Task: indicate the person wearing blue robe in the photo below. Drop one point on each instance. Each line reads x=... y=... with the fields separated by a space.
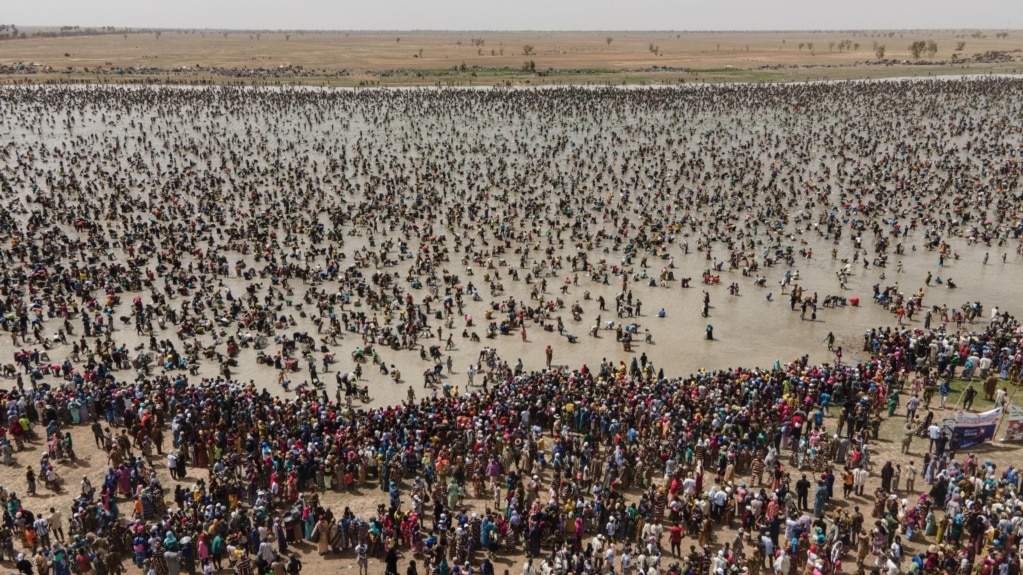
x=170 y=542
x=281 y=537
x=395 y=496
x=820 y=498
x=535 y=538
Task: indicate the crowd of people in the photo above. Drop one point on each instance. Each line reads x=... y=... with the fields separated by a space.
x=568 y=465
x=184 y=265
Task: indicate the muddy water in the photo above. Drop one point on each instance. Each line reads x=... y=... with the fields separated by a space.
x=458 y=162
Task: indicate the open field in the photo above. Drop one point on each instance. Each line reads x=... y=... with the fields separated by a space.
x=489 y=58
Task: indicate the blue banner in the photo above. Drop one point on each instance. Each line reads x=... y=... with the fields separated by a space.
x=973 y=429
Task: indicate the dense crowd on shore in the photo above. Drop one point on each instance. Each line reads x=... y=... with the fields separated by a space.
x=552 y=463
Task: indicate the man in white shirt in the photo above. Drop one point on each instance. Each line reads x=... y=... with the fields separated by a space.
x=689 y=485
x=653 y=531
x=598 y=549
x=720 y=499
x=768 y=545
x=362 y=558
x=985 y=365
x=528 y=568
x=934 y=432
x=56 y=524
x=719 y=562
x=669 y=469
x=860 y=479
x=611 y=528
x=266 y=552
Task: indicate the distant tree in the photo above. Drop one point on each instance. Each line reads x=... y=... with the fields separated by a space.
x=420 y=52
x=932 y=48
x=960 y=45
x=397 y=40
x=917 y=48
x=158 y=35
x=608 y=40
x=879 y=51
x=856 y=46
x=809 y=46
x=287 y=37
x=529 y=66
x=831 y=47
x=527 y=50
x=801 y=45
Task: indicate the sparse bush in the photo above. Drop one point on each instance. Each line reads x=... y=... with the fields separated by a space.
x=917 y=48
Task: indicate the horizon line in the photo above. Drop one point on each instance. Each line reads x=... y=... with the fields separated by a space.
x=138 y=29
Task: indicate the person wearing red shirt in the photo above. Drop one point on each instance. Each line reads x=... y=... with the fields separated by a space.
x=83 y=562
x=675 y=536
